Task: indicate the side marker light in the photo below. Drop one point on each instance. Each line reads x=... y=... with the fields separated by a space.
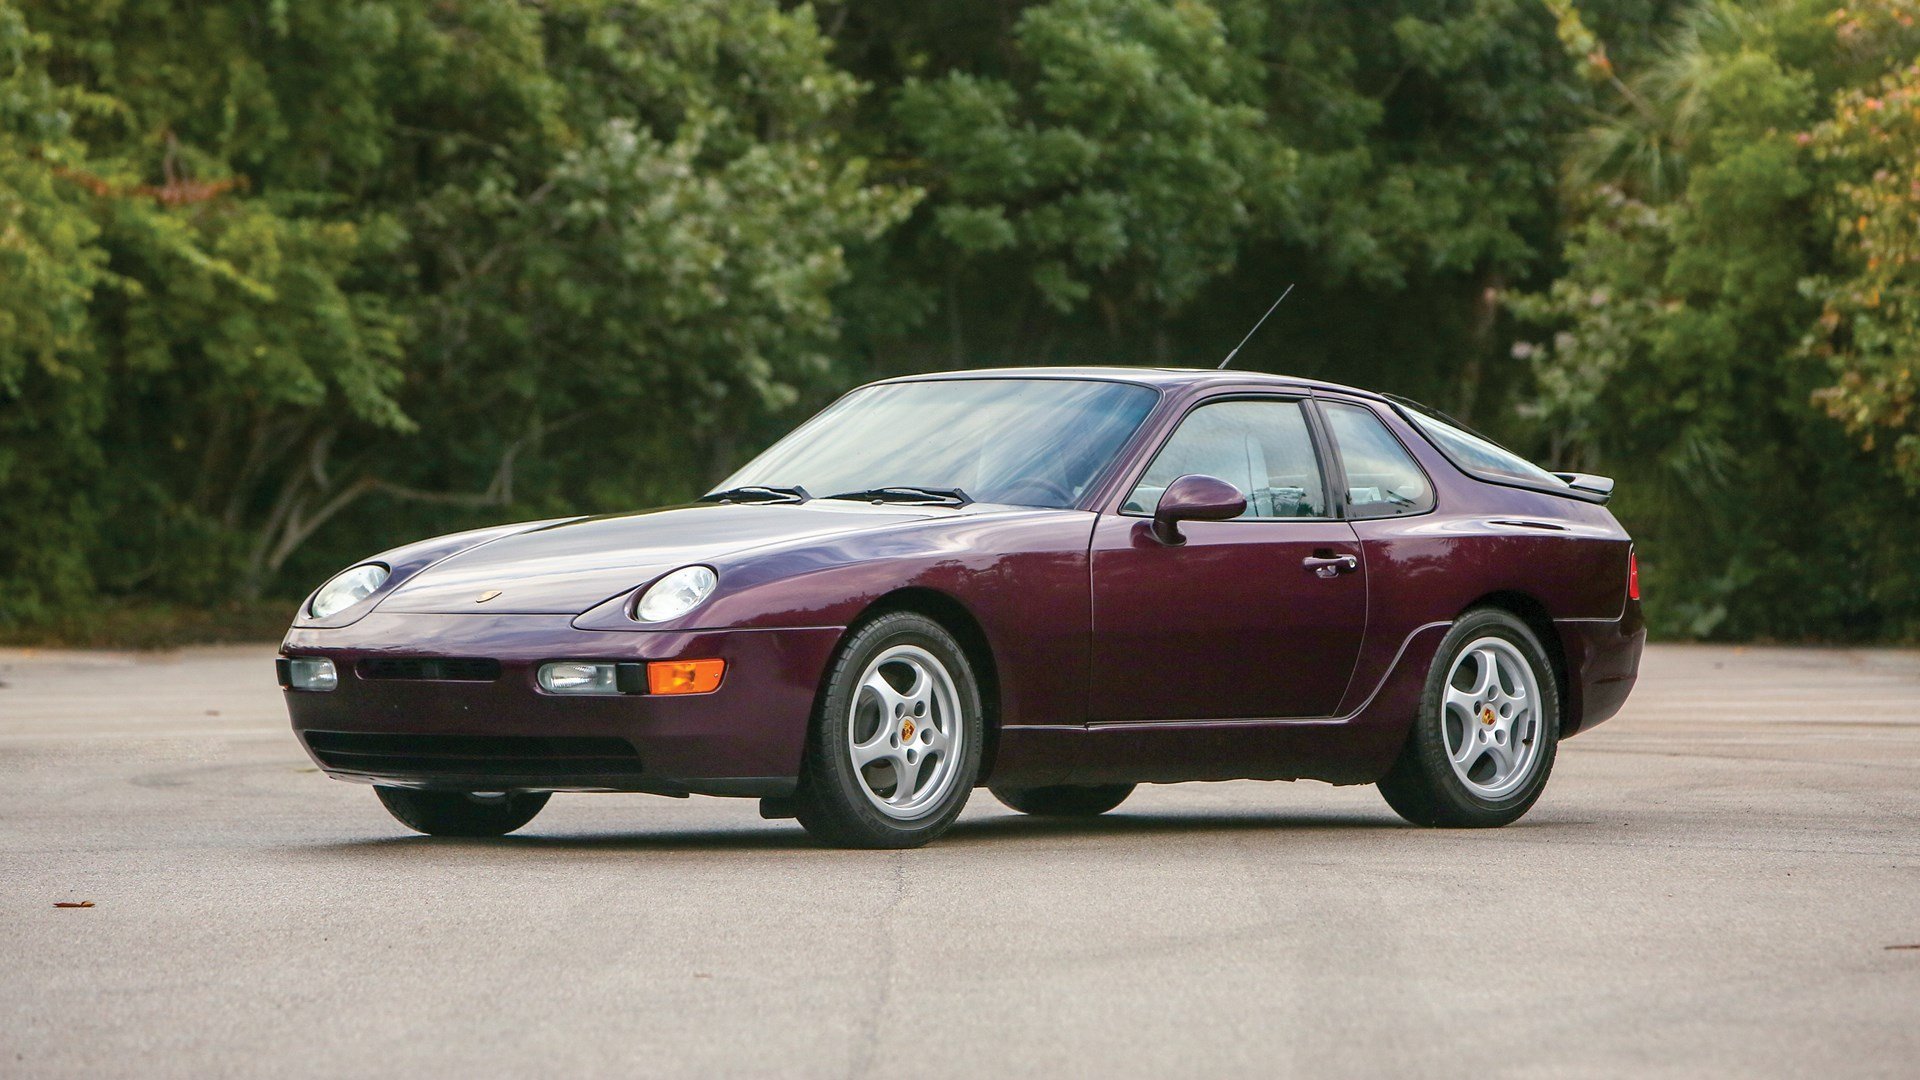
x=685 y=676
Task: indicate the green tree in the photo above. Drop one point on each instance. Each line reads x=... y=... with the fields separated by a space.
x=1130 y=151
x=52 y=395
x=284 y=283
x=1128 y=181
x=1677 y=359
x=348 y=266
x=1868 y=151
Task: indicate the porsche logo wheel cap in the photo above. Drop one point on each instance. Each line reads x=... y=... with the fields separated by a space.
x=1487 y=716
x=906 y=731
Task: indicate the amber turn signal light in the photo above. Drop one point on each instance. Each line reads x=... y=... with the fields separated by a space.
x=685 y=676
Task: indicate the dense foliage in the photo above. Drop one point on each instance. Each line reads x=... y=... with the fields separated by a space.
x=281 y=284
x=1740 y=274
x=293 y=268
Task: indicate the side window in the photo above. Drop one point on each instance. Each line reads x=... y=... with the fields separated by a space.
x=1382 y=479
x=1261 y=447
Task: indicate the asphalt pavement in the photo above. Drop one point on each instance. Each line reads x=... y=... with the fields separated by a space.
x=1725 y=880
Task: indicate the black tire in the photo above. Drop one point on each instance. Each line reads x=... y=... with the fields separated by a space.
x=832 y=800
x=461 y=813
x=1063 y=800
x=1422 y=786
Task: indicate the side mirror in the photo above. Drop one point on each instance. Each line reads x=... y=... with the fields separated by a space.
x=1195 y=497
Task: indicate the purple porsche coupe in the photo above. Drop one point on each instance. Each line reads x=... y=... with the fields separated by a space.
x=1057 y=583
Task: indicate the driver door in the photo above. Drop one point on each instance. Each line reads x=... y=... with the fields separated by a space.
x=1246 y=618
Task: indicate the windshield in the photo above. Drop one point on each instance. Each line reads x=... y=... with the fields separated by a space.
x=1027 y=442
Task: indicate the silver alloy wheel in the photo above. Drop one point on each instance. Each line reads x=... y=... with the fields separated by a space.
x=1491 y=718
x=905 y=732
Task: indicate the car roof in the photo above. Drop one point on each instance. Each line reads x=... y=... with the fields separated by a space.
x=1158 y=377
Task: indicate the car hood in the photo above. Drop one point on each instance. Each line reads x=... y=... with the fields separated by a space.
x=568 y=568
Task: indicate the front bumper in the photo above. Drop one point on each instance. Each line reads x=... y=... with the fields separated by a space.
x=426 y=730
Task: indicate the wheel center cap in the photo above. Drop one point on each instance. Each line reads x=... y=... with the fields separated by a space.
x=1487 y=716
x=906 y=731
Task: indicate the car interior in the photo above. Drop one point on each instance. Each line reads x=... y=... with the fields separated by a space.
x=1261 y=447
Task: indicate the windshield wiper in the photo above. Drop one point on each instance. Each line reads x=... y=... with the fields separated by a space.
x=759 y=493
x=907 y=493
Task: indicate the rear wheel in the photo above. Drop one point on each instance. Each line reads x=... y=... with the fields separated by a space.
x=895 y=746
x=1483 y=745
x=461 y=813
x=1063 y=800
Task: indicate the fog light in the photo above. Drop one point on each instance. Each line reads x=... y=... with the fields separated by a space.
x=307 y=673
x=578 y=677
x=685 y=676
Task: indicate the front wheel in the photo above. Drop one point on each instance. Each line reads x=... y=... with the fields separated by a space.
x=1483 y=744
x=895 y=746
x=461 y=813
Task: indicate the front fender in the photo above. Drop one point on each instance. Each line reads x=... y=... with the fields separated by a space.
x=1022 y=574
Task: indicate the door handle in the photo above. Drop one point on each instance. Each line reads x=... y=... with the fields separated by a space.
x=1330 y=566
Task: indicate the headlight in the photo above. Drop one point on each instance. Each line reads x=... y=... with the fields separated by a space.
x=676 y=594
x=347 y=589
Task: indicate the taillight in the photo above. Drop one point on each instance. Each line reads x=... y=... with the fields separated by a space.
x=1633 y=575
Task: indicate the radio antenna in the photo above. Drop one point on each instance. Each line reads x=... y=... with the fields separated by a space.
x=1250 y=333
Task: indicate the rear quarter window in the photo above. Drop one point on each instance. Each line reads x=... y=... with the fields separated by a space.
x=1482 y=457
x=1382 y=478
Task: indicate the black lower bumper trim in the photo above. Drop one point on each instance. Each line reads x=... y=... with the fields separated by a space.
x=504 y=757
x=513 y=763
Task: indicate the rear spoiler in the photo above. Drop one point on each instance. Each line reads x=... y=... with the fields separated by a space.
x=1599 y=486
